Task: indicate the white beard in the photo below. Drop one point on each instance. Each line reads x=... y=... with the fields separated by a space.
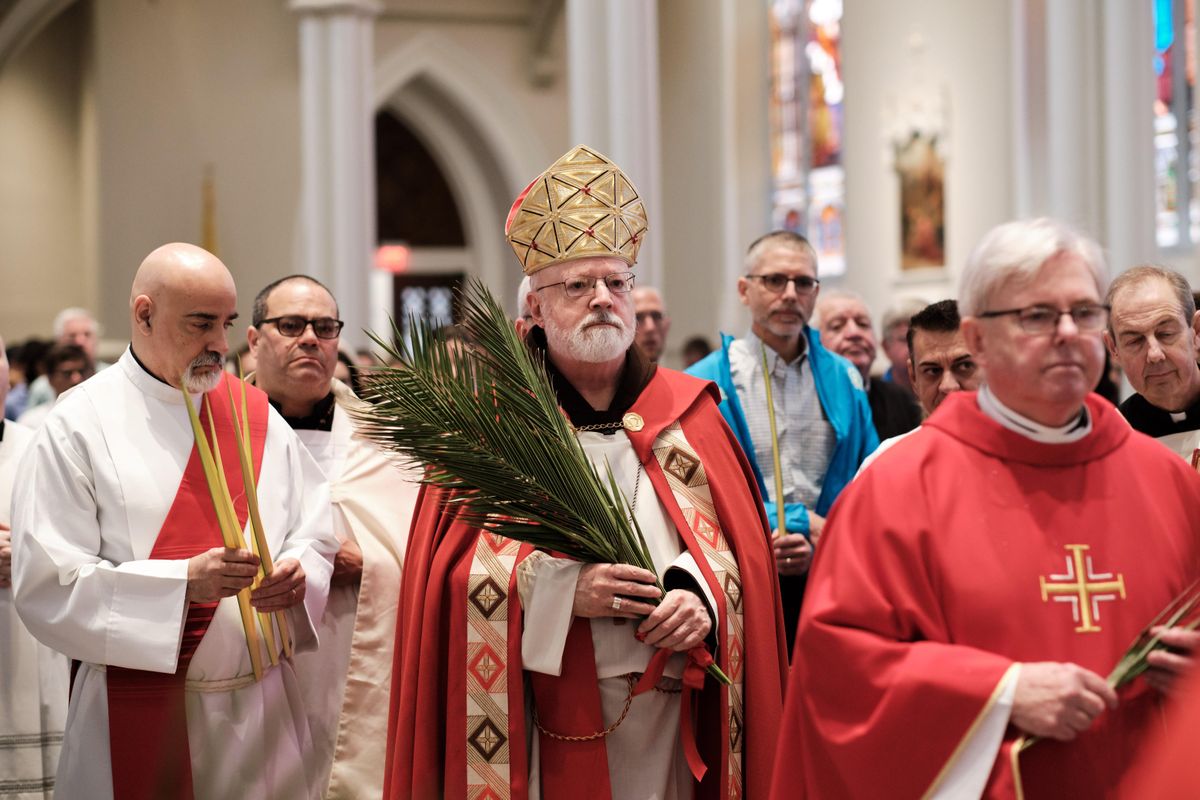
x=201 y=384
x=591 y=345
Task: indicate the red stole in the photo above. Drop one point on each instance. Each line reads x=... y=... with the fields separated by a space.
x=147 y=715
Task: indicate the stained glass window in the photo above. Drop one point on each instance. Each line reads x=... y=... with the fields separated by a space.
x=1176 y=136
x=808 y=182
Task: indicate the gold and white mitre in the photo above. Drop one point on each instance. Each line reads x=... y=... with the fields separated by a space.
x=582 y=205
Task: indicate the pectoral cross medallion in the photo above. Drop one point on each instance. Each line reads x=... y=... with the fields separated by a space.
x=1083 y=588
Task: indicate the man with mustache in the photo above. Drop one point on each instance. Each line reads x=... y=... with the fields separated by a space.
x=294 y=338
x=118 y=561
x=482 y=618
x=1153 y=333
x=845 y=326
x=822 y=419
x=980 y=579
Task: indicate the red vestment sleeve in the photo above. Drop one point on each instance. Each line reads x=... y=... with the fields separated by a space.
x=872 y=668
x=417 y=728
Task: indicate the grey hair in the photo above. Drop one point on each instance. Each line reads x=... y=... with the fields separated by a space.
x=523 y=298
x=777 y=240
x=1146 y=272
x=825 y=297
x=1017 y=250
x=901 y=313
x=68 y=314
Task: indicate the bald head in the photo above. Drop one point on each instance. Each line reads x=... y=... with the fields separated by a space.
x=179 y=267
x=182 y=301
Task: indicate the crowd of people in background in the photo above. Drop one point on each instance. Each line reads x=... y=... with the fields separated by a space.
x=874 y=519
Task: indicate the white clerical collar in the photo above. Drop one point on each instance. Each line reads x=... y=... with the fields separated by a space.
x=149 y=384
x=1178 y=416
x=1073 y=431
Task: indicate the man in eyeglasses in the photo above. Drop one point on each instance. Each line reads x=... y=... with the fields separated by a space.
x=981 y=579
x=294 y=338
x=515 y=670
x=823 y=427
x=1153 y=333
x=653 y=324
x=67 y=365
x=119 y=563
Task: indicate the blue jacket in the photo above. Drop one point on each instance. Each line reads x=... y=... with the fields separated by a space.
x=845 y=405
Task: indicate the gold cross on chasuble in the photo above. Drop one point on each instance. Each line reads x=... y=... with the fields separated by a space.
x=1082 y=588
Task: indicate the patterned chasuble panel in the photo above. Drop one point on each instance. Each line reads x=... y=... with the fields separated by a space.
x=487 y=626
x=487 y=672
x=689 y=485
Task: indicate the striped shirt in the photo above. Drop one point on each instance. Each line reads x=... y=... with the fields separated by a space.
x=806 y=439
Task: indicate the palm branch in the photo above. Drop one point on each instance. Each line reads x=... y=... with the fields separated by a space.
x=487 y=425
x=1182 y=612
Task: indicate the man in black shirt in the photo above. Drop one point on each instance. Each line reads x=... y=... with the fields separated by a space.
x=1153 y=332
x=845 y=325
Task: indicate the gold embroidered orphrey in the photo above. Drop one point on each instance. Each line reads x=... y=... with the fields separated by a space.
x=1083 y=588
x=488 y=766
x=689 y=486
x=487 y=671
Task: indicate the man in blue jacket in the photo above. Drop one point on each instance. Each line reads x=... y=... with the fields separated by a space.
x=822 y=418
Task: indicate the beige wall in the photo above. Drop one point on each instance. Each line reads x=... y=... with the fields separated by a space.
x=179 y=85
x=968 y=54
x=41 y=244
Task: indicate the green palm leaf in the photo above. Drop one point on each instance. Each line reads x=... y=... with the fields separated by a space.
x=487 y=425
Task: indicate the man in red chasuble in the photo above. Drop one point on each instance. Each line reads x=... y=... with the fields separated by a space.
x=1038 y=536
x=514 y=669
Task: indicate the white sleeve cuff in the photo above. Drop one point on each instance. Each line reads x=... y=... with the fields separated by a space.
x=967 y=776
x=149 y=604
x=688 y=564
x=548 y=603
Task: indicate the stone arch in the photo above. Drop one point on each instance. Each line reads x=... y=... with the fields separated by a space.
x=446 y=96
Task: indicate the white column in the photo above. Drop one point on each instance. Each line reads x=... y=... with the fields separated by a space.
x=337 y=120
x=612 y=51
x=1129 y=134
x=1073 y=118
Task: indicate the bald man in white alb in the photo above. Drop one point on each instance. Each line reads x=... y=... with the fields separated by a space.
x=118 y=562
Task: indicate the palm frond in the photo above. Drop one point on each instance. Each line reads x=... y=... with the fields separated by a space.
x=487 y=424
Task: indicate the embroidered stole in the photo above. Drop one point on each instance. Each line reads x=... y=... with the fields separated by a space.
x=147 y=715
x=492 y=581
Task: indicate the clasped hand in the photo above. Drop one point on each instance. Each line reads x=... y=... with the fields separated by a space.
x=680 y=622
x=225 y=571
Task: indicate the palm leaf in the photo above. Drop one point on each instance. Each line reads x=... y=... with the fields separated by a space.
x=487 y=425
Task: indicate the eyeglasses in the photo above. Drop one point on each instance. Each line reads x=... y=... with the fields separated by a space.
x=655 y=316
x=617 y=283
x=1040 y=320
x=292 y=326
x=777 y=282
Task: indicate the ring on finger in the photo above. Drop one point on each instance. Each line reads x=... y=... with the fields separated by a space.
x=616 y=604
